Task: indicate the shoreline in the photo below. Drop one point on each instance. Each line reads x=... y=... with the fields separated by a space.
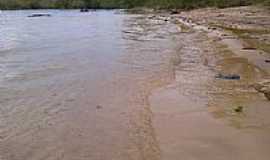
x=200 y=116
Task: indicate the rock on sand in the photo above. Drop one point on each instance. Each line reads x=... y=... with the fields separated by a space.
x=263 y=87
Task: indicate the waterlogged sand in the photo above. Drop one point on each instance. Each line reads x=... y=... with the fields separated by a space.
x=135 y=87
x=195 y=117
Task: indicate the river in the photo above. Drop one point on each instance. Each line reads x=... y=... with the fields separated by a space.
x=70 y=82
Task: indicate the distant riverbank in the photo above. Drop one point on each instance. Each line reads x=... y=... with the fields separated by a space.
x=117 y=4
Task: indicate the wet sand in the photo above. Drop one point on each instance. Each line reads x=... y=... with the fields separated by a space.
x=149 y=92
x=195 y=116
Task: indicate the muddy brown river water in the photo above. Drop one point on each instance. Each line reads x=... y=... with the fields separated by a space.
x=106 y=85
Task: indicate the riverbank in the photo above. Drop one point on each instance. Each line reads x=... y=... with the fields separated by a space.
x=124 y=4
x=232 y=41
x=244 y=31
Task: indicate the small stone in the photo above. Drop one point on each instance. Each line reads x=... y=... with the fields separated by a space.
x=267 y=95
x=84 y=10
x=39 y=15
x=228 y=77
x=174 y=11
x=239 y=109
x=98 y=107
x=249 y=48
x=267 y=61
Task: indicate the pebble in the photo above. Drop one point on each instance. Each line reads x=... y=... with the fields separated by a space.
x=228 y=77
x=249 y=48
x=239 y=109
x=98 y=107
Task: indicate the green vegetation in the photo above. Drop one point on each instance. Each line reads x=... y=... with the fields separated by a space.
x=165 y=4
